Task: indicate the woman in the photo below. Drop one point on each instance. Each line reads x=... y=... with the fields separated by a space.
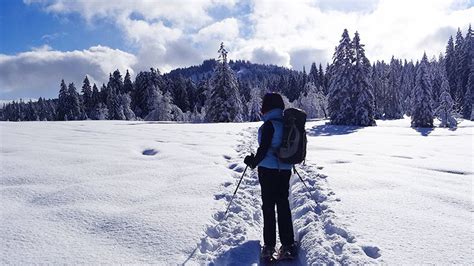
x=274 y=177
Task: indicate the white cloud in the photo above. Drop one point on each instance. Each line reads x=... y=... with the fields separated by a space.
x=39 y=72
x=169 y=34
x=270 y=55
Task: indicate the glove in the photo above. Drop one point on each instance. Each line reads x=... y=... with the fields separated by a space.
x=250 y=161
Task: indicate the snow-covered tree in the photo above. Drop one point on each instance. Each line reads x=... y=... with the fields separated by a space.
x=87 y=97
x=362 y=88
x=309 y=102
x=224 y=104
x=393 y=109
x=469 y=95
x=445 y=110
x=407 y=85
x=450 y=65
x=314 y=103
x=113 y=105
x=125 y=110
x=62 y=102
x=422 y=114
x=341 y=110
x=254 y=104
x=127 y=84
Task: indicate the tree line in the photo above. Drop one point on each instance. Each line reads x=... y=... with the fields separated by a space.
x=349 y=91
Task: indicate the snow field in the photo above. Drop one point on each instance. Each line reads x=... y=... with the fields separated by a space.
x=406 y=191
x=109 y=191
x=138 y=192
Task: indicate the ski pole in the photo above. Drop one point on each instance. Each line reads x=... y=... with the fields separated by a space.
x=318 y=207
x=242 y=177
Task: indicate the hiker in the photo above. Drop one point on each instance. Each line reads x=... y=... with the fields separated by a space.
x=274 y=177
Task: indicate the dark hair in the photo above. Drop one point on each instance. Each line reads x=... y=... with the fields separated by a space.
x=271 y=101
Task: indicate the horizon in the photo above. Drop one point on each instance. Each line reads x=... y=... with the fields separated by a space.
x=50 y=40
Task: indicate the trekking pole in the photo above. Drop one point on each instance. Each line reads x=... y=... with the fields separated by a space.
x=318 y=207
x=242 y=177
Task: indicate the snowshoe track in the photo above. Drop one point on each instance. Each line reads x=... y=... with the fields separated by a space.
x=236 y=239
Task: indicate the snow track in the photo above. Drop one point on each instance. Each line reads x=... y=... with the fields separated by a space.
x=236 y=239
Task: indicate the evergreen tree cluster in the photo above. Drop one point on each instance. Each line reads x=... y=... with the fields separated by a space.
x=349 y=91
x=350 y=99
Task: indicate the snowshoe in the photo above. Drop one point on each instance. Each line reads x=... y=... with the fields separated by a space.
x=267 y=254
x=287 y=252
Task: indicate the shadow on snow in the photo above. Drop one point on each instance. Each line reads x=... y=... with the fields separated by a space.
x=424 y=131
x=246 y=254
x=331 y=130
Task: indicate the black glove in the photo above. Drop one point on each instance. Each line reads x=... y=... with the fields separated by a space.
x=250 y=161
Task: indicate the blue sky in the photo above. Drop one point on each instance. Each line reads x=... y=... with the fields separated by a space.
x=43 y=41
x=24 y=27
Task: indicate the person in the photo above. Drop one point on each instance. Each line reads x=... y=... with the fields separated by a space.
x=274 y=178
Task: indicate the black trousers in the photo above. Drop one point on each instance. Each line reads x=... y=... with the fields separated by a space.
x=275 y=184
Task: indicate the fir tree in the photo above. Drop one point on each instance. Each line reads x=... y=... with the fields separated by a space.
x=127 y=84
x=113 y=104
x=445 y=110
x=314 y=75
x=322 y=81
x=73 y=103
x=340 y=106
x=469 y=95
x=254 y=104
x=224 y=104
x=87 y=97
x=363 y=97
x=422 y=114
x=450 y=66
x=393 y=109
x=407 y=85
x=460 y=61
x=62 y=102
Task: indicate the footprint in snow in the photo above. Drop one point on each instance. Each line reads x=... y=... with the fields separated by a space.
x=150 y=152
x=373 y=252
x=232 y=165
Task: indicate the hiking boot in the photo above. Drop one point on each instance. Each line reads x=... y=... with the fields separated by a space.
x=267 y=252
x=287 y=252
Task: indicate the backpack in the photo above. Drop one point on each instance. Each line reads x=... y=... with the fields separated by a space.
x=293 y=145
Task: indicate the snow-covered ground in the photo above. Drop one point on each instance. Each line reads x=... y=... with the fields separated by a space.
x=139 y=192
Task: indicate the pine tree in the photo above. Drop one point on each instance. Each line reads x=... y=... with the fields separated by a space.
x=469 y=95
x=393 y=109
x=314 y=75
x=460 y=61
x=450 y=66
x=445 y=110
x=322 y=82
x=254 y=104
x=340 y=106
x=363 y=97
x=87 y=97
x=74 y=111
x=224 y=104
x=62 y=102
x=407 y=85
x=422 y=114
x=314 y=103
x=127 y=84
x=147 y=92
x=180 y=93
x=113 y=104
x=125 y=110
